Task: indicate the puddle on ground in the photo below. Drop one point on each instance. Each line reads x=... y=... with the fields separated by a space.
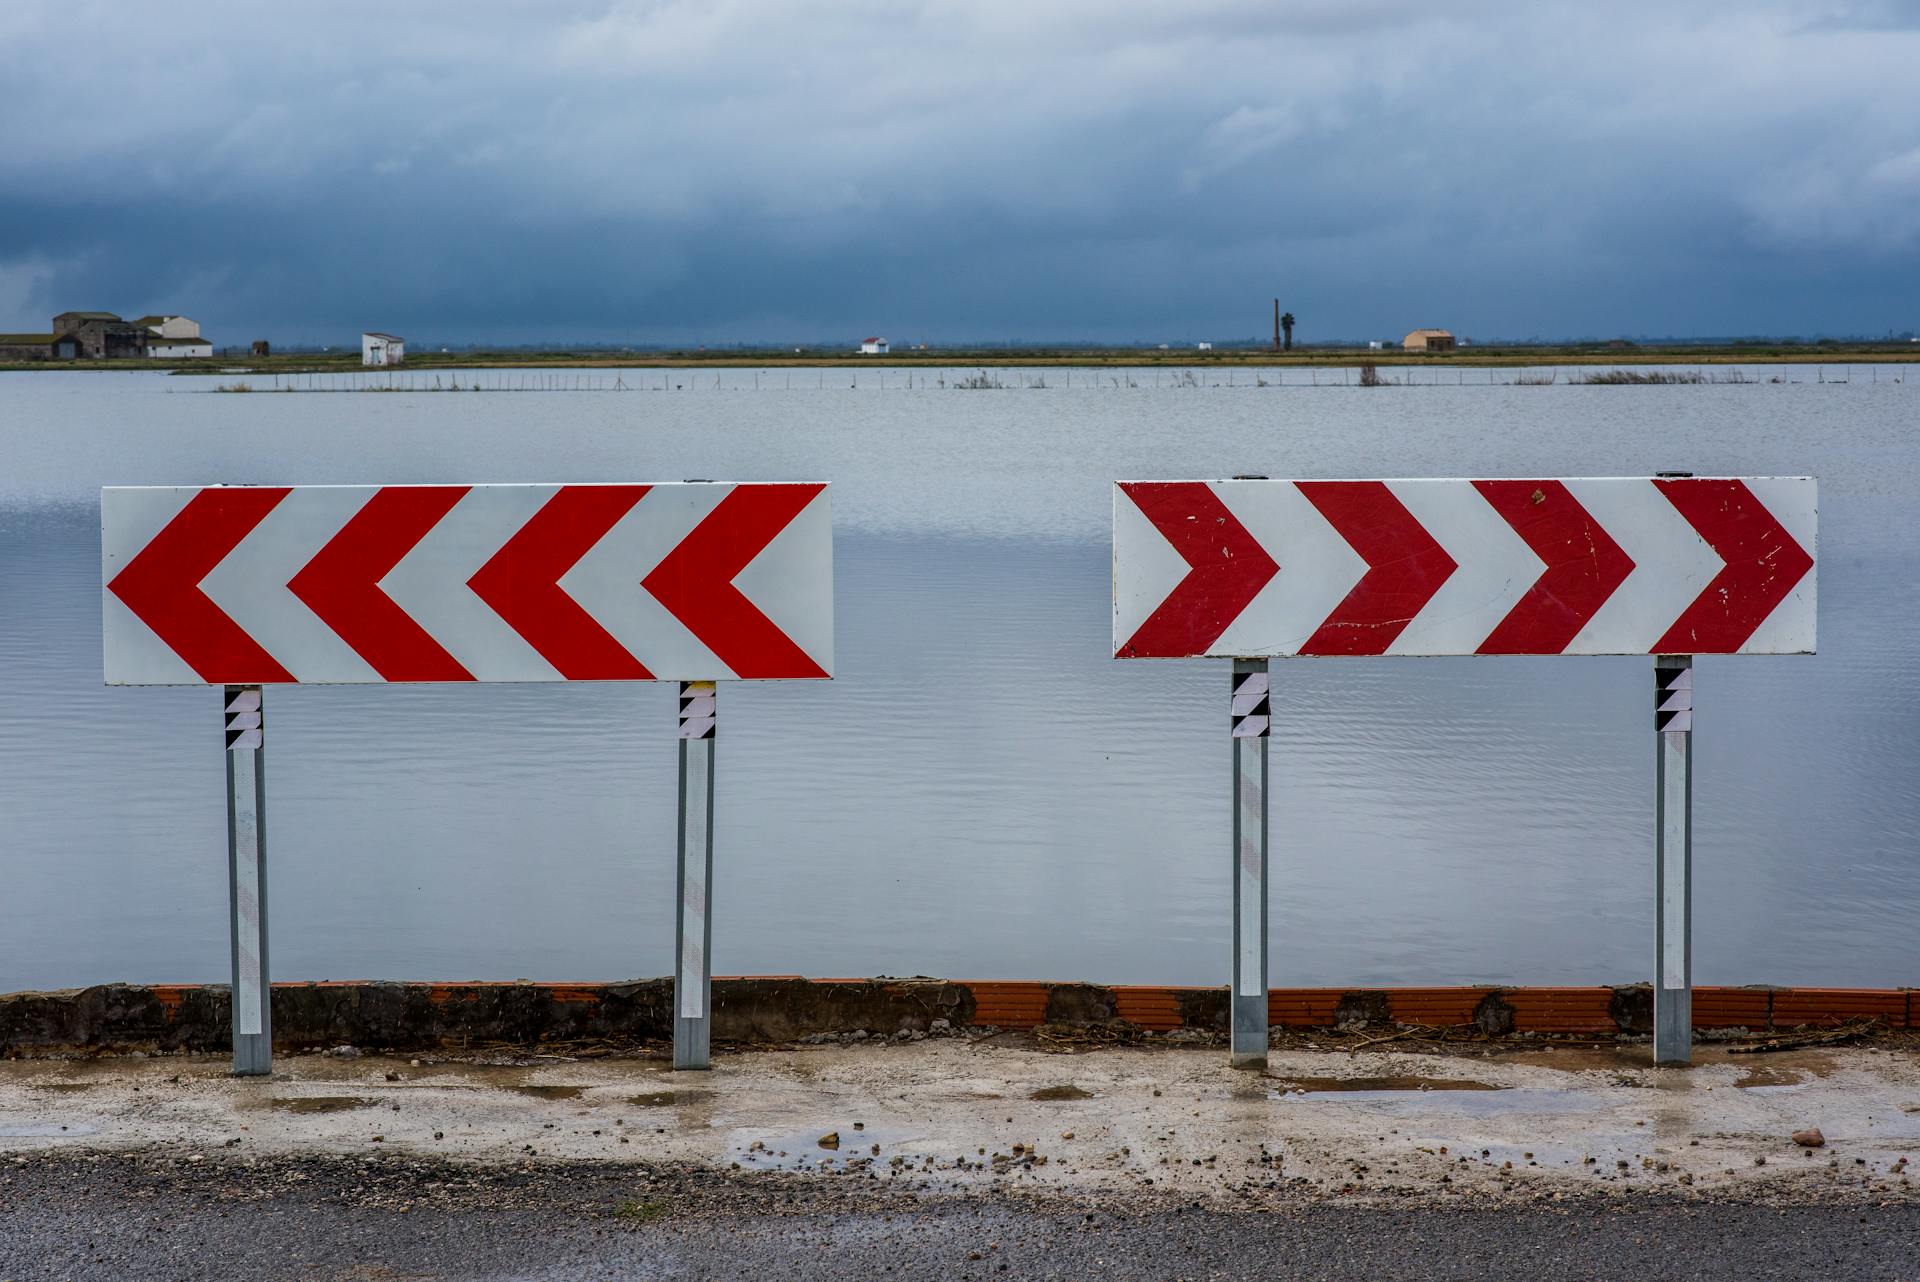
x=1346 y=1085
x=1763 y=1075
x=1884 y=1126
x=1472 y=1101
x=38 y=1130
x=1065 y=1091
x=549 y=1092
x=61 y=1086
x=802 y=1150
x=670 y=1099
x=1607 y=1152
x=1573 y=1059
x=320 y=1103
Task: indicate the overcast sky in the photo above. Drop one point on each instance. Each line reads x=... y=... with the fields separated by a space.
x=976 y=169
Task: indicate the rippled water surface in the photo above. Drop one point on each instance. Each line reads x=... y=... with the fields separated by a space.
x=982 y=791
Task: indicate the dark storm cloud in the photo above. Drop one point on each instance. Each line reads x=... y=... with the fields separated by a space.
x=712 y=171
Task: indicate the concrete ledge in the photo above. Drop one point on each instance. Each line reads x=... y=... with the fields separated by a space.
x=784 y=1008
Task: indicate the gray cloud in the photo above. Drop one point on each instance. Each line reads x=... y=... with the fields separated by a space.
x=707 y=171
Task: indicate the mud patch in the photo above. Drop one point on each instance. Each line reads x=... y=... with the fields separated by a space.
x=1064 y=1091
x=61 y=1086
x=549 y=1092
x=670 y=1099
x=305 y=1104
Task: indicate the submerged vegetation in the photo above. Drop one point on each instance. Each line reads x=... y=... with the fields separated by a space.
x=854 y=376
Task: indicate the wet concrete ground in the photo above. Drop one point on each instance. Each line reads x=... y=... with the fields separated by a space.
x=816 y=1160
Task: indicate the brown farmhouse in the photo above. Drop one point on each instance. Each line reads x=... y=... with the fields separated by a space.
x=36 y=347
x=1428 y=340
x=102 y=335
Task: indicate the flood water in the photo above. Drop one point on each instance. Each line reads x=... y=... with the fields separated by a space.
x=982 y=792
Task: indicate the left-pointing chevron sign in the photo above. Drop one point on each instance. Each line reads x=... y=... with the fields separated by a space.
x=251 y=585
x=1614 y=565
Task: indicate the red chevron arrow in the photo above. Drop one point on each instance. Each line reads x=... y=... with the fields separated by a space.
x=1584 y=566
x=1227 y=567
x=1405 y=567
x=341 y=584
x=161 y=585
x=695 y=581
x=522 y=582
x=1763 y=563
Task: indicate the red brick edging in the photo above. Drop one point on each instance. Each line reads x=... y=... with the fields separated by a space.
x=777 y=1008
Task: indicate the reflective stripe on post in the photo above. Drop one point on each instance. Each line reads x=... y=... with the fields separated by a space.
x=1251 y=719
x=252 y=994
x=693 y=934
x=1673 y=859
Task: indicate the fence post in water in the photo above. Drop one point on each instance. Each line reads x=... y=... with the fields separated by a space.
x=693 y=934
x=252 y=995
x=1251 y=717
x=1673 y=859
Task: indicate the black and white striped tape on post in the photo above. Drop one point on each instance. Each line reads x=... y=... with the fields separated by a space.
x=1672 y=699
x=246 y=719
x=697 y=709
x=1252 y=715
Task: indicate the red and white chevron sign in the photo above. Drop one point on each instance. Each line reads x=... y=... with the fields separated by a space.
x=252 y=585
x=1615 y=565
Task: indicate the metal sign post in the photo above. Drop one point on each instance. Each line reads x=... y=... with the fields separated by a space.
x=1673 y=859
x=1671 y=566
x=693 y=929
x=248 y=586
x=252 y=994
x=1251 y=718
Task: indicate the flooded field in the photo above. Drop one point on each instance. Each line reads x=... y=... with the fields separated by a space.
x=981 y=792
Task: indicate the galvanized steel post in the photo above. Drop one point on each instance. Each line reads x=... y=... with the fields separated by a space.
x=1673 y=859
x=1251 y=719
x=693 y=933
x=252 y=993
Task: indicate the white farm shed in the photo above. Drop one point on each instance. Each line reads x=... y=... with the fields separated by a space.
x=873 y=347
x=382 y=349
x=177 y=348
x=167 y=326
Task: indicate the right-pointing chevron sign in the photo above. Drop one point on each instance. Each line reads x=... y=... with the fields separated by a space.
x=1608 y=565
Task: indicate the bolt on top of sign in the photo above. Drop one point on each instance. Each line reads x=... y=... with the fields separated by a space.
x=252 y=585
x=1610 y=565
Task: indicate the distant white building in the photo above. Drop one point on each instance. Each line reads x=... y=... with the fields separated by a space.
x=174 y=337
x=873 y=347
x=170 y=326
x=178 y=348
x=1374 y=344
x=1204 y=345
x=382 y=349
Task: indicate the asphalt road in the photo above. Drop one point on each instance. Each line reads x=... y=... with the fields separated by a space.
x=160 y=1218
